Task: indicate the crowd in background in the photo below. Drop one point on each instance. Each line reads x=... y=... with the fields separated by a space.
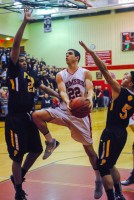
x=47 y=75
x=101 y=98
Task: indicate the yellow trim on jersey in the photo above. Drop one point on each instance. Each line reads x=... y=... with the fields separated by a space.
x=12 y=83
x=103 y=162
x=112 y=105
x=107 y=148
x=12 y=138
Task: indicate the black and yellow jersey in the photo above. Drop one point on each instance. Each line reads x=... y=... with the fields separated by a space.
x=21 y=88
x=120 y=110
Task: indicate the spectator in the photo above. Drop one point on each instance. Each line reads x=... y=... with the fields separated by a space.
x=3 y=60
x=106 y=97
x=4 y=81
x=46 y=101
x=100 y=98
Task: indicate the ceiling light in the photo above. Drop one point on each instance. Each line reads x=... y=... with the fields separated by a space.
x=46 y=12
x=7 y=38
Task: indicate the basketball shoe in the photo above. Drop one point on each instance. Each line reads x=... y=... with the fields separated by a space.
x=98 y=189
x=50 y=147
x=119 y=196
x=21 y=196
x=129 y=181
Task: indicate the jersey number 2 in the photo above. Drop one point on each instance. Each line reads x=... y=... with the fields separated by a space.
x=74 y=92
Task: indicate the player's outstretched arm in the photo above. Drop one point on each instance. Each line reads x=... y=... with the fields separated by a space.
x=49 y=91
x=18 y=37
x=102 y=67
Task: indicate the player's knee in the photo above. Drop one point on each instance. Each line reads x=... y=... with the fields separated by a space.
x=40 y=116
x=104 y=170
x=35 y=116
x=18 y=158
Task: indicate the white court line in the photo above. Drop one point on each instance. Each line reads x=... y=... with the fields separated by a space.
x=59 y=183
x=52 y=183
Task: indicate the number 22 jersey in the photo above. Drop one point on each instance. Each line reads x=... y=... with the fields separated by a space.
x=75 y=84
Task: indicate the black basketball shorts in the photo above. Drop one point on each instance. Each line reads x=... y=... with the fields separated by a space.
x=112 y=142
x=21 y=135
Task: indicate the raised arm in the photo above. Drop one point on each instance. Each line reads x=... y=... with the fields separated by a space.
x=62 y=89
x=18 y=37
x=102 y=67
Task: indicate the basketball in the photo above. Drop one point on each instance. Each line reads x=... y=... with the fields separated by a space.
x=80 y=107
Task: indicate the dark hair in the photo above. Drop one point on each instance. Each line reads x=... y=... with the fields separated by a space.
x=76 y=53
x=132 y=76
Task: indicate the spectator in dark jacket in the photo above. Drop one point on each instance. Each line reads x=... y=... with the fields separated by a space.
x=46 y=101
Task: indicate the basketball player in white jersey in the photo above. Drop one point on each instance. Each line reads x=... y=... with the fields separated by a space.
x=72 y=82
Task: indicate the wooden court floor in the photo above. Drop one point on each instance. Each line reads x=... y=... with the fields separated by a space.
x=67 y=174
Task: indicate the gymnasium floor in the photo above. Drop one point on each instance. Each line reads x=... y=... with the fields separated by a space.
x=67 y=174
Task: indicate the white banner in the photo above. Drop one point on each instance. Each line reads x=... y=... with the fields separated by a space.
x=47 y=23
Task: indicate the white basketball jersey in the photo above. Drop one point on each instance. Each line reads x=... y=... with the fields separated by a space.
x=81 y=129
x=75 y=84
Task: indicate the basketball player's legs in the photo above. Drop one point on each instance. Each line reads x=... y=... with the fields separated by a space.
x=40 y=118
x=93 y=160
x=108 y=157
x=34 y=147
x=29 y=161
x=115 y=175
x=112 y=180
x=17 y=141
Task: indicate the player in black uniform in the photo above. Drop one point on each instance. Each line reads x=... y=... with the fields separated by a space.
x=114 y=136
x=21 y=133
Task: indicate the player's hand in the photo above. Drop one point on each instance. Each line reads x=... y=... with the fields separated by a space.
x=27 y=14
x=68 y=105
x=90 y=103
x=85 y=47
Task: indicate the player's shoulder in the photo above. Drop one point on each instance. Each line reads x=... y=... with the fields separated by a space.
x=61 y=73
x=82 y=69
x=87 y=73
